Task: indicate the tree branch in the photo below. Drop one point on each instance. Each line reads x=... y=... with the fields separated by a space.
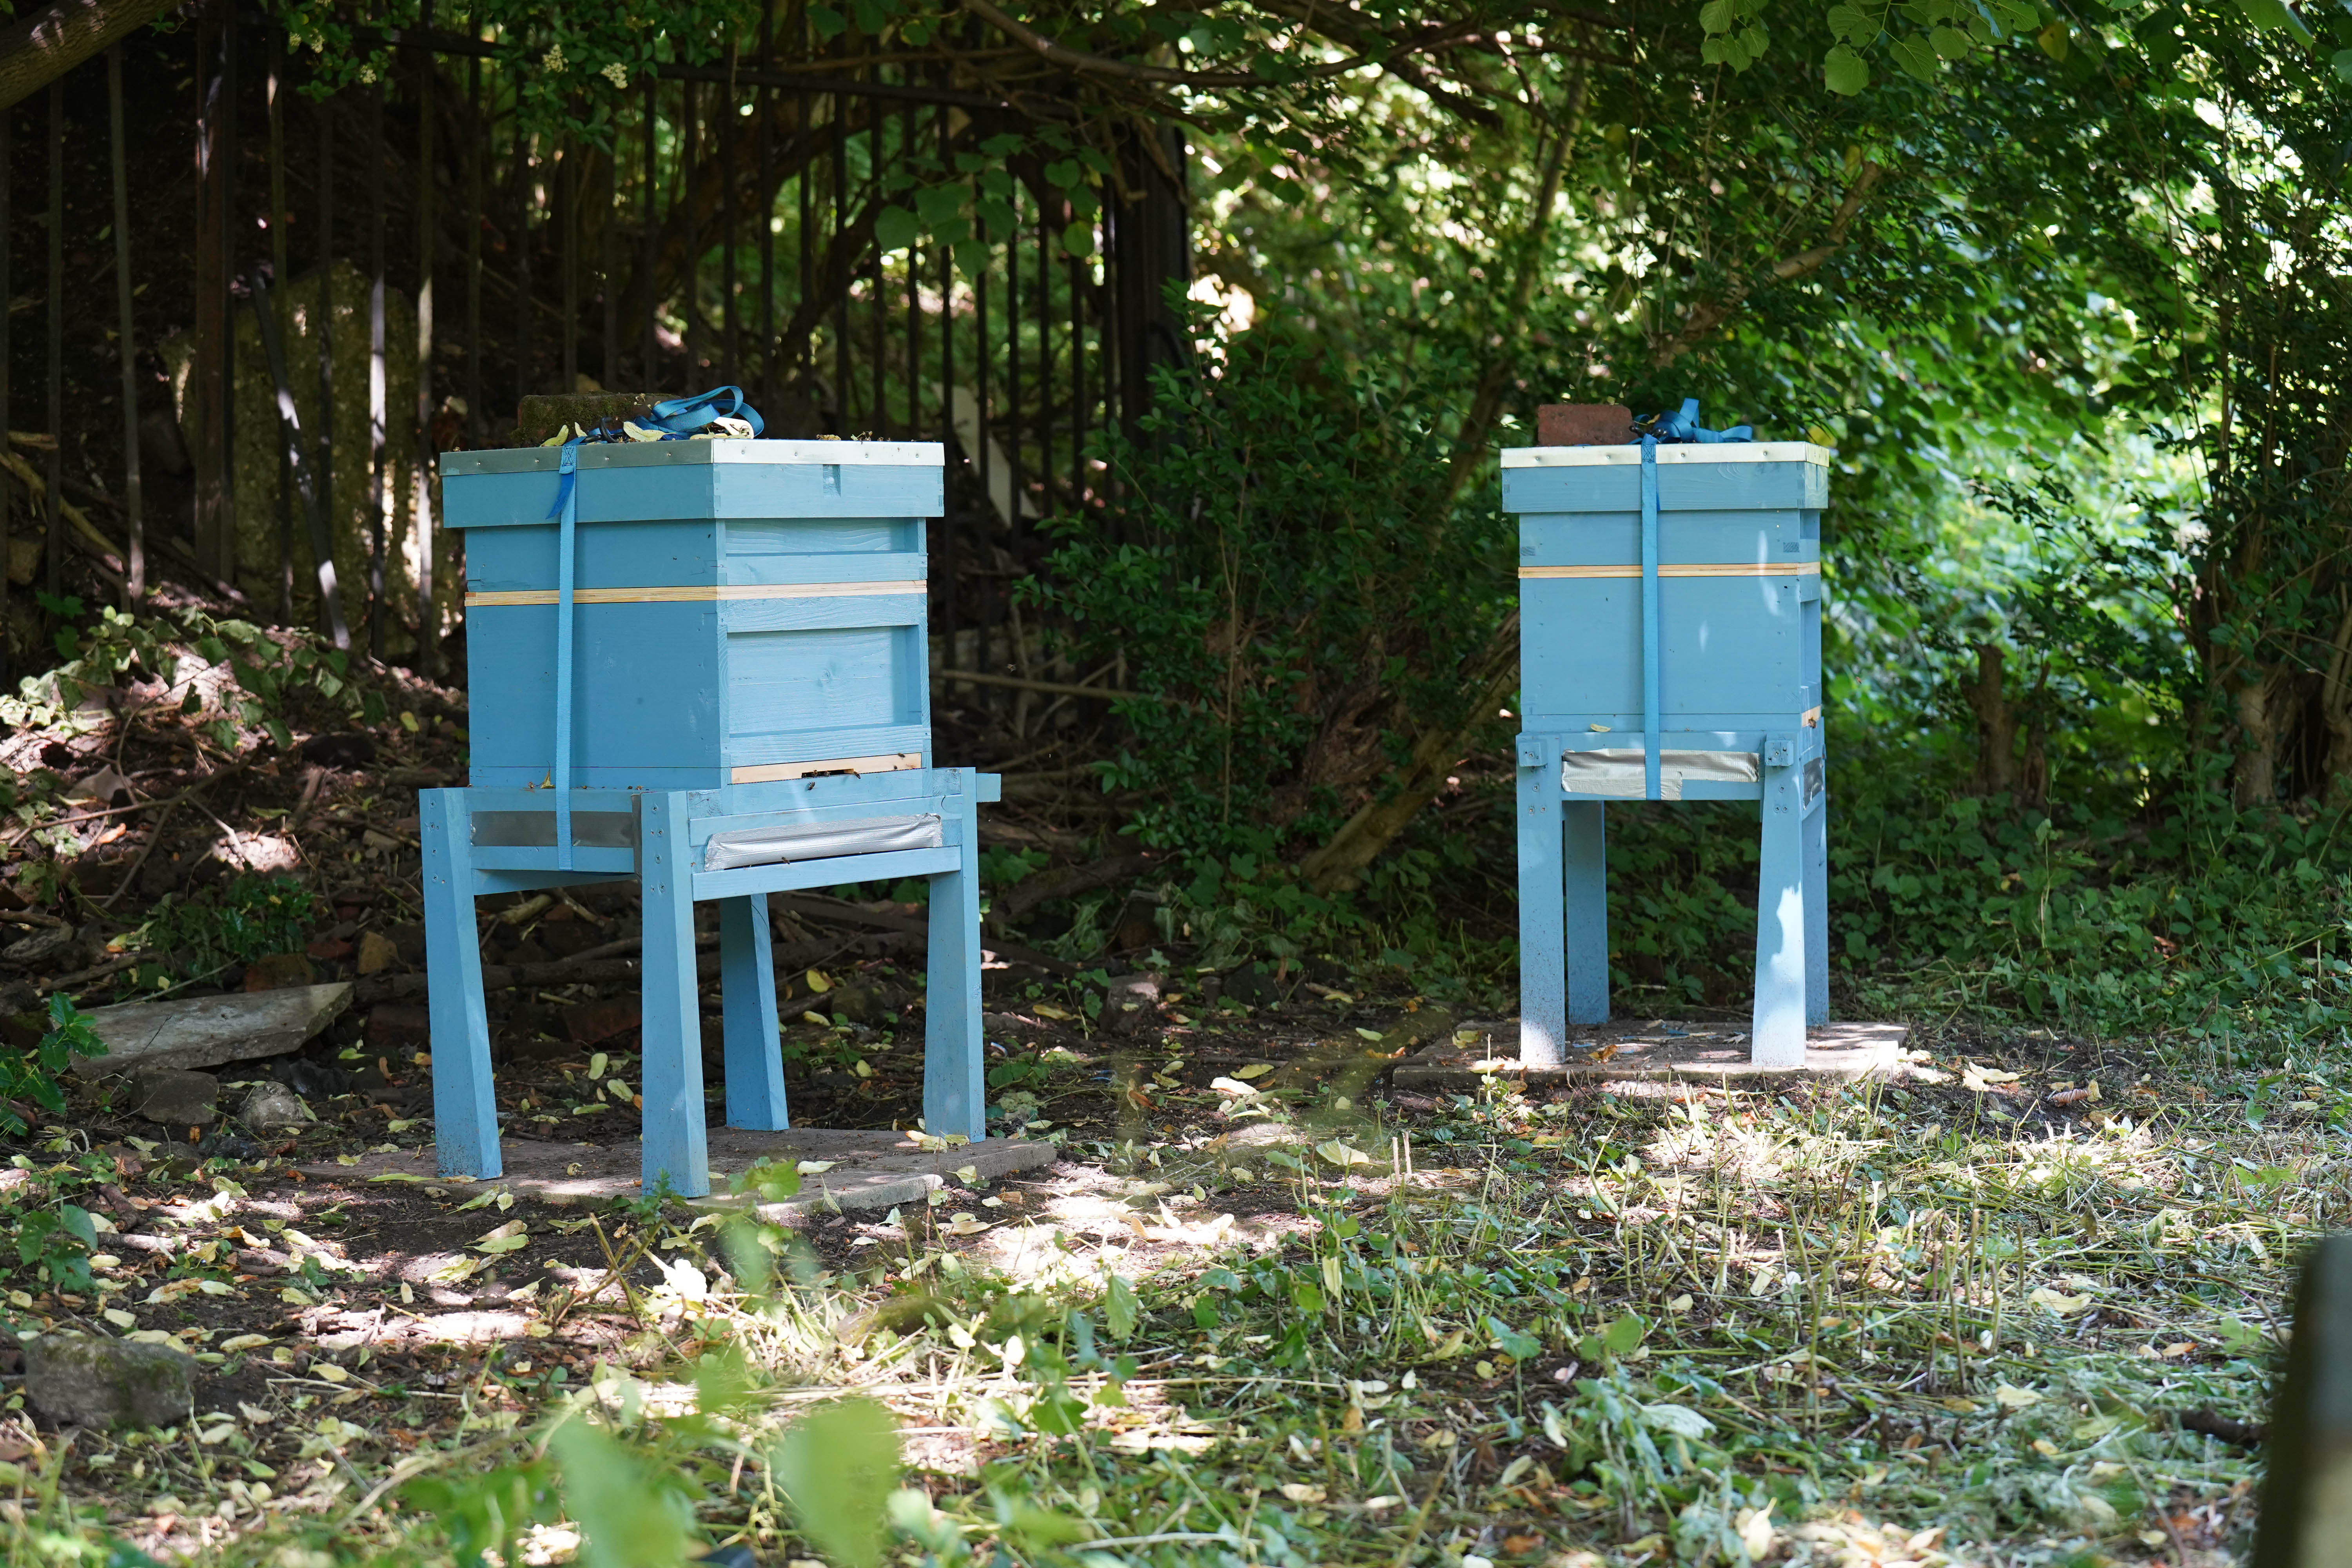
x=1707 y=316
x=41 y=49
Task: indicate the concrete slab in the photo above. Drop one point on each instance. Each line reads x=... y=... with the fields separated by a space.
x=1660 y=1050
x=206 y=1031
x=869 y=1170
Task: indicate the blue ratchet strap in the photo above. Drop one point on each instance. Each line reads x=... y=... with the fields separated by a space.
x=677 y=419
x=1683 y=426
x=1650 y=718
x=567 y=504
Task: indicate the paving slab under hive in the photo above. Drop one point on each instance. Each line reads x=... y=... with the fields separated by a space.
x=870 y=1170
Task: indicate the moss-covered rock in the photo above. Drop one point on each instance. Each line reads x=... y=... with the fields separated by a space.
x=82 y=1379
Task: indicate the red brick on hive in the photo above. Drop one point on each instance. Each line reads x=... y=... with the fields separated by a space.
x=1583 y=424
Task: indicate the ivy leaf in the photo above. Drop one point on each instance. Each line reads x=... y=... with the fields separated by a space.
x=1914 y=55
x=1844 y=72
x=894 y=228
x=1715 y=15
x=1847 y=22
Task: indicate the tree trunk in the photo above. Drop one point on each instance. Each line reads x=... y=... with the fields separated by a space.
x=1996 y=769
x=41 y=49
x=2253 y=779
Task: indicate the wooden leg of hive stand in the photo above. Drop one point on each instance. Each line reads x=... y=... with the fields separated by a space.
x=465 y=1108
x=755 y=1061
x=1543 y=935
x=1817 y=911
x=955 y=1094
x=676 y=1142
x=1584 y=840
x=1779 y=1036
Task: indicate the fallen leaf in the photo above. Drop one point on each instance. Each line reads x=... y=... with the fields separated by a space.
x=329 y=1372
x=965 y=1224
x=1047 y=1010
x=1228 y=1086
x=596 y=1065
x=1958 y=1406
x=967 y=1175
x=1340 y=1155
x=119 y=1318
x=2010 y=1398
x=1754 y=1526
x=1302 y=1492
x=244 y=1343
x=1255 y=1069
x=814 y=1167
x=2182 y=1349
x=1520 y=1545
x=1680 y=1420
x=507 y=1237
x=1368 y=1034
x=457 y=1271
x=389 y=1175
x=2058 y=1301
x=818 y=981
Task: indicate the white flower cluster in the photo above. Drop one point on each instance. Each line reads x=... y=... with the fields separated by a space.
x=618 y=75
x=553 y=61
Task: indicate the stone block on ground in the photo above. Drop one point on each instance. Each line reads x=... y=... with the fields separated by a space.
x=1130 y=1003
x=82 y=1379
x=204 y=1031
x=52 y=948
x=866 y=1171
x=1630 y=1052
x=176 y=1096
x=272 y=1109
x=377 y=953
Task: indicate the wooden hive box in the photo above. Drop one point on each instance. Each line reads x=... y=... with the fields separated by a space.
x=1670 y=648
x=745 y=611
x=1739 y=590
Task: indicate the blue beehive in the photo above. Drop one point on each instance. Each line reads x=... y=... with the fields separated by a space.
x=1670 y=649
x=698 y=665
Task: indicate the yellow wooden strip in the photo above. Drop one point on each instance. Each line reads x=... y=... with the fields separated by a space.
x=769 y=773
x=696 y=593
x=1687 y=569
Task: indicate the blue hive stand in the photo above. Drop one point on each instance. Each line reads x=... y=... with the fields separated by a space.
x=700 y=665
x=1670 y=649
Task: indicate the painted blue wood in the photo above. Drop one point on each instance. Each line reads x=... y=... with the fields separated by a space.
x=465 y=1109
x=1690 y=478
x=1778 y=1031
x=677 y=1142
x=698 y=651
x=754 y=1046
x=1672 y=605
x=955 y=1091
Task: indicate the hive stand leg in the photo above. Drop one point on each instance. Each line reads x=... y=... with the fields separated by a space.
x=1543 y=935
x=1584 y=840
x=465 y=1109
x=1817 y=911
x=955 y=1094
x=1778 y=1040
x=676 y=1142
x=755 y=1061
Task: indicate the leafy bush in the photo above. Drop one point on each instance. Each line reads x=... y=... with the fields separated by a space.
x=1288 y=578
x=33 y=1074
x=240 y=921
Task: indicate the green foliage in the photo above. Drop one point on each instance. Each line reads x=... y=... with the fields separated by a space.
x=483 y=1512
x=33 y=1074
x=838 y=1464
x=1287 y=578
x=630 y=1513
x=237 y=921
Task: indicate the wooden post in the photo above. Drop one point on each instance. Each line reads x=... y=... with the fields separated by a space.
x=134 y=511
x=955 y=1093
x=755 y=1066
x=380 y=496
x=677 y=1141
x=280 y=278
x=55 y=475
x=428 y=622
x=322 y=337
x=465 y=1108
x=211 y=387
x=1543 y=983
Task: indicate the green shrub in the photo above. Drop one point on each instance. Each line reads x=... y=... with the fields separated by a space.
x=33 y=1074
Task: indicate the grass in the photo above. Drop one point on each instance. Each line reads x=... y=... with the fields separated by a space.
x=1947 y=1319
